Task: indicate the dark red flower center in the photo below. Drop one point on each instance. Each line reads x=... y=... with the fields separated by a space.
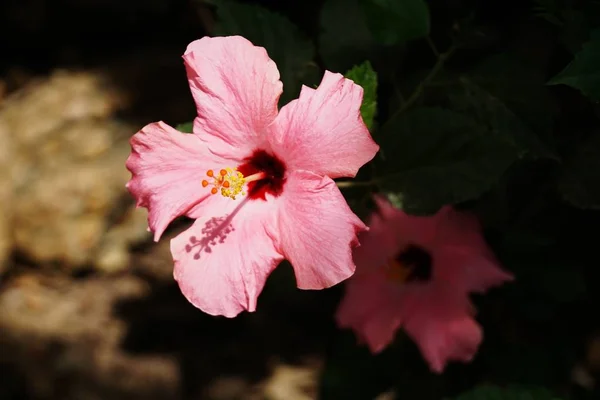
x=418 y=261
x=273 y=169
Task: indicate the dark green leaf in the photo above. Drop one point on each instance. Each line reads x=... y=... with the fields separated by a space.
x=438 y=157
x=520 y=86
x=575 y=29
x=583 y=73
x=492 y=113
x=396 y=21
x=574 y=23
x=502 y=94
x=548 y=10
x=286 y=44
x=489 y=392
x=512 y=100
x=352 y=372
x=476 y=37
x=345 y=39
x=365 y=76
x=579 y=182
x=186 y=127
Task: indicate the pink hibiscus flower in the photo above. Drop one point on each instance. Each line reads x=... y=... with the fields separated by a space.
x=417 y=273
x=257 y=182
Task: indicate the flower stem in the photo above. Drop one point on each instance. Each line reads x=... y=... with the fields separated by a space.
x=347 y=184
x=432 y=46
x=439 y=65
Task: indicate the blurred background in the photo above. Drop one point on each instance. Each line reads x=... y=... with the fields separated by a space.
x=88 y=305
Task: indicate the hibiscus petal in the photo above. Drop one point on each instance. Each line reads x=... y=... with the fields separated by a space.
x=377 y=246
x=464 y=259
x=372 y=308
x=442 y=325
x=323 y=130
x=317 y=230
x=459 y=229
x=461 y=255
x=407 y=229
x=222 y=263
x=167 y=167
x=236 y=87
x=469 y=270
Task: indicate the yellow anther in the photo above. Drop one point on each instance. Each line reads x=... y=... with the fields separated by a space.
x=230 y=182
x=235 y=183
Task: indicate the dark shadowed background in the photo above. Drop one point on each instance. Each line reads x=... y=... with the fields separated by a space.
x=88 y=306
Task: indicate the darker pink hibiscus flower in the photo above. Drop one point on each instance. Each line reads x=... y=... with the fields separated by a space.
x=417 y=273
x=257 y=181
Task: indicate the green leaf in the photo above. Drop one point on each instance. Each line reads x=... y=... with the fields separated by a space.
x=436 y=156
x=186 y=127
x=492 y=113
x=345 y=39
x=395 y=199
x=519 y=86
x=580 y=178
x=583 y=73
x=365 y=76
x=512 y=100
x=292 y=51
x=576 y=27
x=396 y=21
x=548 y=10
x=476 y=36
x=490 y=392
x=352 y=372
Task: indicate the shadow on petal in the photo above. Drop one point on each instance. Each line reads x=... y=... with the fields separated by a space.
x=215 y=232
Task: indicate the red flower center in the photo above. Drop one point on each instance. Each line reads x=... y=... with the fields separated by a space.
x=418 y=261
x=273 y=170
x=412 y=264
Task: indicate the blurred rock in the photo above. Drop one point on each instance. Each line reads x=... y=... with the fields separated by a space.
x=389 y=395
x=6 y=150
x=63 y=336
x=580 y=375
x=156 y=262
x=233 y=387
x=68 y=173
x=285 y=382
x=113 y=253
x=290 y=382
x=593 y=352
